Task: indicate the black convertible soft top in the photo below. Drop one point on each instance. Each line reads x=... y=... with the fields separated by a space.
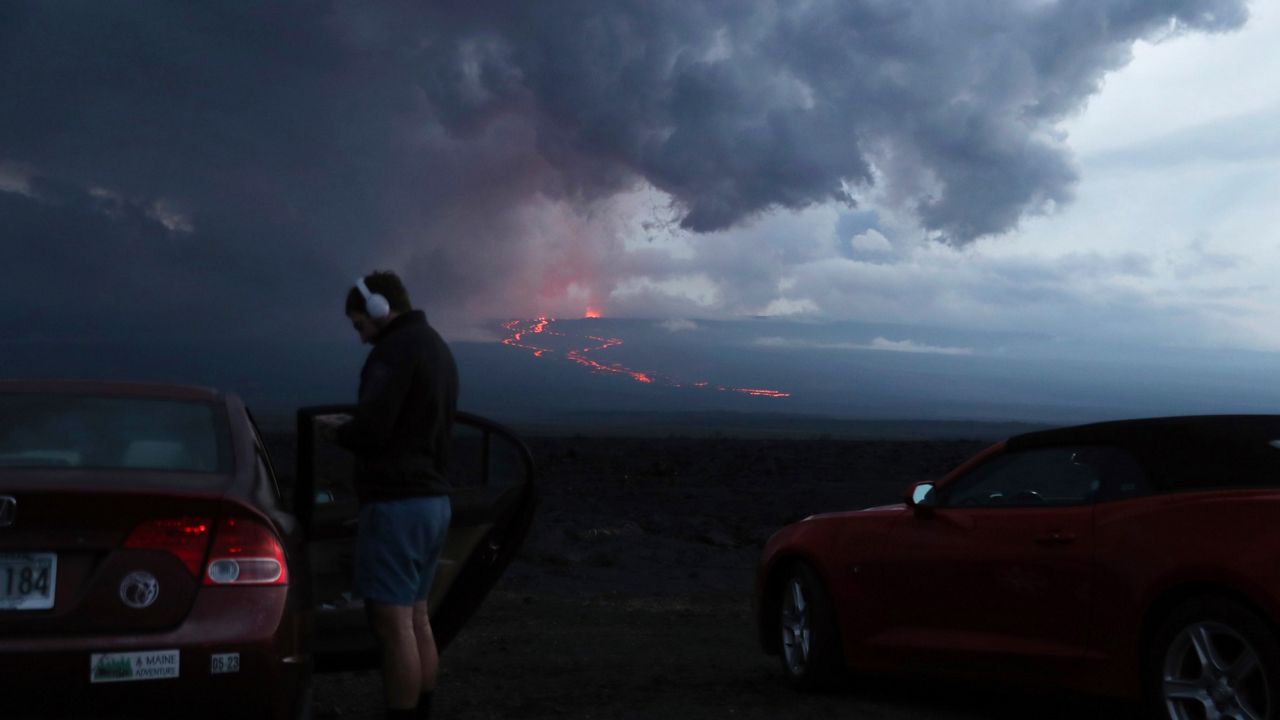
x=1183 y=453
x=1146 y=429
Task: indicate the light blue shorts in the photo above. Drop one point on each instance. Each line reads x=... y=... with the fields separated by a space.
x=398 y=546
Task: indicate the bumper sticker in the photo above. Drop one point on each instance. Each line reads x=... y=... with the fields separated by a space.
x=126 y=667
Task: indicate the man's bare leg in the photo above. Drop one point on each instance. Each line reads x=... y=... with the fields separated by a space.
x=428 y=656
x=394 y=626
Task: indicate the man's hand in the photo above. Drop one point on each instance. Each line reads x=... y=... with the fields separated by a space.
x=327 y=425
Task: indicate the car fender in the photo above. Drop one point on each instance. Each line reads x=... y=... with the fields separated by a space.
x=843 y=548
x=807 y=541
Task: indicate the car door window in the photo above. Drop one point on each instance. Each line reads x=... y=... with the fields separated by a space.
x=1043 y=476
x=1123 y=476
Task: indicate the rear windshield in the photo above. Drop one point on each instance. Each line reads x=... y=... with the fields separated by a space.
x=52 y=431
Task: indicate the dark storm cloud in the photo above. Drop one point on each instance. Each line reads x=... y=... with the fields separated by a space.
x=734 y=108
x=239 y=163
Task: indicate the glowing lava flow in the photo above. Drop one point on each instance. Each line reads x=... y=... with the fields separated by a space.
x=762 y=393
x=517 y=334
x=579 y=356
x=520 y=329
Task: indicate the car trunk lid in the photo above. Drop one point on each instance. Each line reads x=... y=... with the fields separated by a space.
x=77 y=559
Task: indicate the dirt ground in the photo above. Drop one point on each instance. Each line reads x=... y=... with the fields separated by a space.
x=632 y=596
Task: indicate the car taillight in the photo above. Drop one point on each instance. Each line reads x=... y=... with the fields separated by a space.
x=245 y=553
x=186 y=538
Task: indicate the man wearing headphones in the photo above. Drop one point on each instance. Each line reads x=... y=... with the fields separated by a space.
x=399 y=434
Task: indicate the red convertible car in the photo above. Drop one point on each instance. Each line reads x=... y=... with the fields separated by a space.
x=1138 y=558
x=152 y=561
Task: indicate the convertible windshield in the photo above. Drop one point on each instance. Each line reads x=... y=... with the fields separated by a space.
x=64 y=431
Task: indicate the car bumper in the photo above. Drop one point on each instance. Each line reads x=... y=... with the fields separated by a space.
x=252 y=633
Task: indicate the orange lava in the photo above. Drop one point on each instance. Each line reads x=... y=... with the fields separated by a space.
x=521 y=329
x=762 y=393
x=579 y=356
x=518 y=333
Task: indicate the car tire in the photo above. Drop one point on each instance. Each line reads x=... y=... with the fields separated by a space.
x=1213 y=657
x=809 y=639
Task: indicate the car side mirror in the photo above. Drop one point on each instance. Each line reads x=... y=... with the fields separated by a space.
x=922 y=497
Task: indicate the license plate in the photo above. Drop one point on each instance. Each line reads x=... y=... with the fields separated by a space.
x=27 y=580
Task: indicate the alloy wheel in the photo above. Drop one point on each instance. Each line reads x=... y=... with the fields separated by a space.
x=796 y=632
x=1212 y=672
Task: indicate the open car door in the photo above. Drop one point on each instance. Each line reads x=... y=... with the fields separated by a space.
x=493 y=504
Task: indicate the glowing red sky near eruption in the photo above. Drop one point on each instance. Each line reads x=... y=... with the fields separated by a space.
x=521 y=329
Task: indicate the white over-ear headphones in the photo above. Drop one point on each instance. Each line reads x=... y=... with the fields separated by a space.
x=375 y=306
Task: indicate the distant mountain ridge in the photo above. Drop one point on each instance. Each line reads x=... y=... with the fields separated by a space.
x=834 y=373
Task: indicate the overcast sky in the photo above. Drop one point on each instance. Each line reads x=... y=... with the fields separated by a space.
x=1100 y=171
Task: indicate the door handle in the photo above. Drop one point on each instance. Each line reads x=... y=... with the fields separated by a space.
x=1056 y=537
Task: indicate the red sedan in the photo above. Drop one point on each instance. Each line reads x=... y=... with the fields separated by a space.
x=1138 y=559
x=153 y=563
